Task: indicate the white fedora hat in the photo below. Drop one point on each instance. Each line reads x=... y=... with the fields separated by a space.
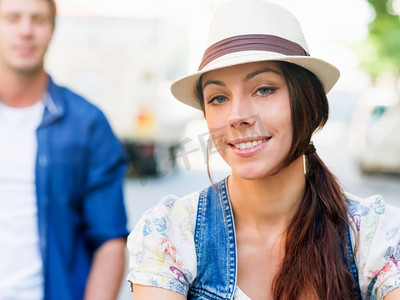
x=244 y=31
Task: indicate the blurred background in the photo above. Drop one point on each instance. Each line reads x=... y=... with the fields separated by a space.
x=124 y=54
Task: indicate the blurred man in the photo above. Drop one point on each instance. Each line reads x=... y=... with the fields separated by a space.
x=62 y=218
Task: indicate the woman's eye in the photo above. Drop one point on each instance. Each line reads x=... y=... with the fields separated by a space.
x=217 y=100
x=264 y=91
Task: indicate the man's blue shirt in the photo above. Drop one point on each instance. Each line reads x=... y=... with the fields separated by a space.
x=80 y=168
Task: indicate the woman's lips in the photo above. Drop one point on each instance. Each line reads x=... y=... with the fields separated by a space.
x=248 y=147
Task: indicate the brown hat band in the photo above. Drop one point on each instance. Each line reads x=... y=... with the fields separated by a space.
x=248 y=42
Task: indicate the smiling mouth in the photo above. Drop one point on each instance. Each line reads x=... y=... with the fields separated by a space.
x=249 y=144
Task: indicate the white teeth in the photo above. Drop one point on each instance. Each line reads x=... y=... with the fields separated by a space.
x=248 y=145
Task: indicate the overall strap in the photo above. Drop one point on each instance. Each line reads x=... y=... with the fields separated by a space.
x=351 y=264
x=215 y=244
x=216 y=251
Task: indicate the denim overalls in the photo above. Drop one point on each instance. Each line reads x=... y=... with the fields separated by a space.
x=216 y=251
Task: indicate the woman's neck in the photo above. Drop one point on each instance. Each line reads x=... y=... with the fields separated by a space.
x=270 y=202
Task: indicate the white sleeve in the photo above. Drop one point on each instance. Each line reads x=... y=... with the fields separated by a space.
x=161 y=246
x=378 y=253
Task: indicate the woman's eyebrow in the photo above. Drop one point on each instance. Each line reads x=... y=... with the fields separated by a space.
x=246 y=78
x=255 y=73
x=217 y=82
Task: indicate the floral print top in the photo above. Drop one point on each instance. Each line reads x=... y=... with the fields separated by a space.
x=162 y=251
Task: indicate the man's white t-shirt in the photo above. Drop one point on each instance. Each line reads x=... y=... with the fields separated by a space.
x=21 y=276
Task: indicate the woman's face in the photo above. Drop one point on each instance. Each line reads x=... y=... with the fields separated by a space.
x=248 y=113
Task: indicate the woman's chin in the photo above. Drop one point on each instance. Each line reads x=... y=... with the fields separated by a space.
x=251 y=173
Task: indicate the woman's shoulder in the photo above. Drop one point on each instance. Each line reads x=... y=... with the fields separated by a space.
x=369 y=207
x=370 y=213
x=170 y=211
x=356 y=204
x=172 y=204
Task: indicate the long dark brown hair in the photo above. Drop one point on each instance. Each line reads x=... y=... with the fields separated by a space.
x=313 y=264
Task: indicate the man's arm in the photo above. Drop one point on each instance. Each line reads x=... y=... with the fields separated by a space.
x=104 y=211
x=107 y=271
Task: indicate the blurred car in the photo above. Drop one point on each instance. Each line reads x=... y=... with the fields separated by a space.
x=375 y=131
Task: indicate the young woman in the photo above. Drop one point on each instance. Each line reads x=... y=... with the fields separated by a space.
x=280 y=226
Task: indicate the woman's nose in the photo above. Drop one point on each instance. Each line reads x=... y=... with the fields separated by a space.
x=241 y=113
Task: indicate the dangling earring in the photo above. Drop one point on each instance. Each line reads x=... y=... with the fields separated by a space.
x=304 y=164
x=208 y=154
